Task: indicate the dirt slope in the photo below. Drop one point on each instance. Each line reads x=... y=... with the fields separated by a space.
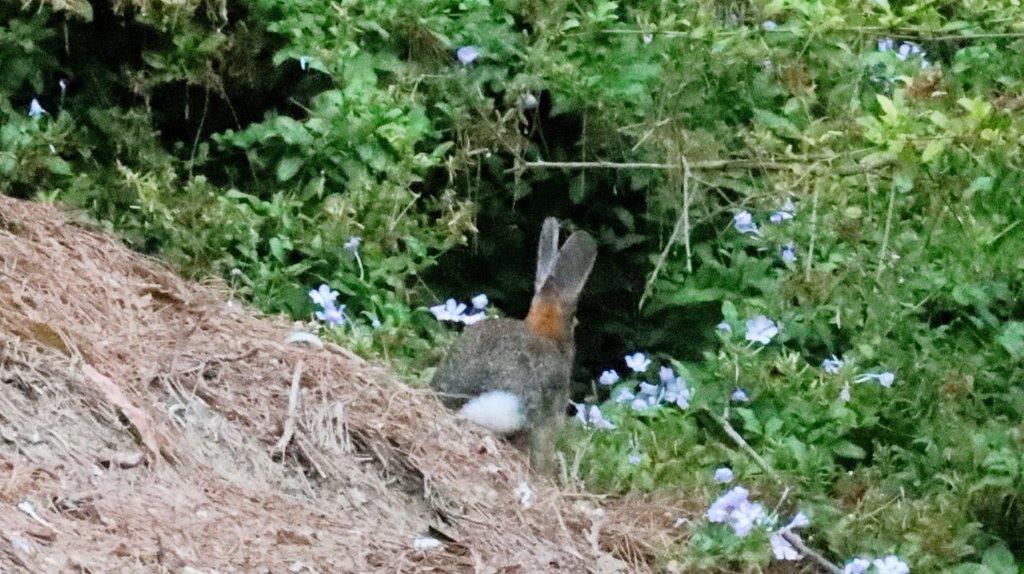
x=142 y=415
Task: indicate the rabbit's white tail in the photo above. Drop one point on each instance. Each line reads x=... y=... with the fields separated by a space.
x=498 y=411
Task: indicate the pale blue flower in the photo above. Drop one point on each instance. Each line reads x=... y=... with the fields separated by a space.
x=890 y=565
x=480 y=301
x=857 y=566
x=907 y=49
x=451 y=310
x=761 y=329
x=472 y=319
x=782 y=549
x=649 y=390
x=597 y=419
x=788 y=254
x=581 y=412
x=844 y=395
x=744 y=222
x=375 y=323
x=769 y=26
x=63 y=86
x=885 y=379
x=332 y=315
x=624 y=395
x=739 y=396
x=679 y=393
x=778 y=217
x=886 y=44
x=798 y=521
x=832 y=365
x=467 y=54
x=609 y=377
x=638 y=362
x=724 y=327
x=35 y=109
x=634 y=458
x=352 y=245
x=640 y=404
x=529 y=101
x=323 y=296
x=723 y=475
x=667 y=375
x=724 y=505
x=746 y=515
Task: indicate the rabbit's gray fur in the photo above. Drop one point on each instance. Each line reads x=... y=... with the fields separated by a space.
x=531 y=359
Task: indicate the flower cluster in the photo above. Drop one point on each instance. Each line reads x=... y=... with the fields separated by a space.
x=592 y=416
x=452 y=310
x=889 y=565
x=329 y=312
x=904 y=52
x=738 y=511
x=744 y=223
x=642 y=394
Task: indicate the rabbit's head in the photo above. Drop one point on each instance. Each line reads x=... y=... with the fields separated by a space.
x=561 y=274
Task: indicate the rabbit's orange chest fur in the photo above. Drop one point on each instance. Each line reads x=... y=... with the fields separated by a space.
x=547 y=319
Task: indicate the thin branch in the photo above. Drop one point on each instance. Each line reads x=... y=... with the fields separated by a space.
x=797 y=543
x=745 y=447
x=888 y=228
x=812 y=163
x=293 y=405
x=682 y=223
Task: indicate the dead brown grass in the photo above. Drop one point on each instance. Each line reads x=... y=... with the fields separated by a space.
x=140 y=416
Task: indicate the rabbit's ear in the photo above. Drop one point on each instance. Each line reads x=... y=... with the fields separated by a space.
x=547 y=251
x=571 y=268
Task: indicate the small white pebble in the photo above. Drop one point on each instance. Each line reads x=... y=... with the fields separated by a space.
x=425 y=543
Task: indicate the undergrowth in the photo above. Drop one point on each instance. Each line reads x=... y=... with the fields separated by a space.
x=809 y=212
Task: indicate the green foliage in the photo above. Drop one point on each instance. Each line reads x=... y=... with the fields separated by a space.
x=252 y=142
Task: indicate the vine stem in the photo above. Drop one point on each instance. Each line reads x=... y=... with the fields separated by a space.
x=682 y=224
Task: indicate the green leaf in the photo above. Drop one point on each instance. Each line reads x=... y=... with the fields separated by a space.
x=1012 y=339
x=778 y=124
x=999 y=560
x=288 y=167
x=847 y=449
x=56 y=165
x=888 y=107
x=932 y=150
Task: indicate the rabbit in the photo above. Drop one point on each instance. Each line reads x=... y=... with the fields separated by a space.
x=512 y=376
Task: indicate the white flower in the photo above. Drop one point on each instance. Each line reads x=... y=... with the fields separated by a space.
x=609 y=377
x=480 y=301
x=425 y=543
x=63 y=86
x=303 y=62
x=723 y=475
x=740 y=396
x=638 y=362
x=35 y=109
x=761 y=329
x=832 y=365
x=782 y=549
x=844 y=395
x=648 y=38
x=744 y=222
x=529 y=101
x=451 y=310
x=857 y=566
x=890 y=565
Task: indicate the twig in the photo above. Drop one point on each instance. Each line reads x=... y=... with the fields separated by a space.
x=293 y=405
x=30 y=509
x=888 y=229
x=682 y=222
x=811 y=163
x=814 y=234
x=797 y=543
x=745 y=447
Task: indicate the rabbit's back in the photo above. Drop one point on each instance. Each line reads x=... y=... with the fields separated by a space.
x=505 y=355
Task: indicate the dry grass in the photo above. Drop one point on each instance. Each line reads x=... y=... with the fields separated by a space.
x=141 y=416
